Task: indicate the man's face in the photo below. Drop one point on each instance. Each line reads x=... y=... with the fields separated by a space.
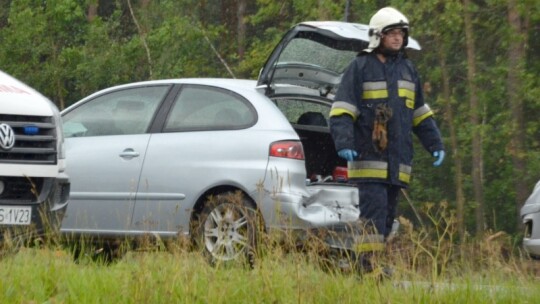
x=393 y=39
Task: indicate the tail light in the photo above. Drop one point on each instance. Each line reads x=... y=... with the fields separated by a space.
x=287 y=149
x=340 y=174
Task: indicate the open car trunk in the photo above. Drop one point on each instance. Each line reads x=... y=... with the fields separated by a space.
x=321 y=156
x=309 y=117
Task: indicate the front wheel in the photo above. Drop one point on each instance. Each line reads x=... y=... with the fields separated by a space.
x=226 y=229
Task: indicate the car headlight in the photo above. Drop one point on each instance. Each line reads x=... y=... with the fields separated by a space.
x=60 y=147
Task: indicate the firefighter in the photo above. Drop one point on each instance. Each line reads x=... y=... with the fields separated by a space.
x=378 y=105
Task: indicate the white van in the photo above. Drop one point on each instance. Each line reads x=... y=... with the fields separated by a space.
x=33 y=186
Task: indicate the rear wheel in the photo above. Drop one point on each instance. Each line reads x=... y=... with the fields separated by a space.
x=226 y=229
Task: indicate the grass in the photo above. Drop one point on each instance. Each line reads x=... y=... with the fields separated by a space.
x=48 y=274
x=430 y=266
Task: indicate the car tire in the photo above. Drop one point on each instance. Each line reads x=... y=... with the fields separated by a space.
x=226 y=230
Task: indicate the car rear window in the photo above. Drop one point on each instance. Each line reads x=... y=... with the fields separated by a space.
x=309 y=52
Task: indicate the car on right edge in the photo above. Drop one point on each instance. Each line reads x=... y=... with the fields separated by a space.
x=530 y=215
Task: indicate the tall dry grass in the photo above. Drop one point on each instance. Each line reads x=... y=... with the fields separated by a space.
x=429 y=266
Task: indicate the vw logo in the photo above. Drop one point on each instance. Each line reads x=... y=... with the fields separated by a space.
x=7 y=137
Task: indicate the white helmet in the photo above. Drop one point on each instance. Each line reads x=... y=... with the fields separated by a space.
x=386 y=19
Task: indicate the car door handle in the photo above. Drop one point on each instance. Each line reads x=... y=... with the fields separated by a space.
x=129 y=153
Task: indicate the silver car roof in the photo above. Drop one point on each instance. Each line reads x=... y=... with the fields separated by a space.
x=243 y=85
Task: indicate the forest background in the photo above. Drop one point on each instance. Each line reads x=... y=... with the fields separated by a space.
x=479 y=62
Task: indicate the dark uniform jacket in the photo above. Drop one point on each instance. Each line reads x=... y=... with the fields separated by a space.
x=366 y=85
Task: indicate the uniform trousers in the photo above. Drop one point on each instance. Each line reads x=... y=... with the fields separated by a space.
x=378 y=204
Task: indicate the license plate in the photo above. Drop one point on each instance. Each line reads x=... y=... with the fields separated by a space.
x=17 y=215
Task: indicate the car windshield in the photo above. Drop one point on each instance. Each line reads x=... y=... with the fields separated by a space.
x=312 y=53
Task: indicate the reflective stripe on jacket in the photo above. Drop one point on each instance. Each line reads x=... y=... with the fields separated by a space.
x=366 y=84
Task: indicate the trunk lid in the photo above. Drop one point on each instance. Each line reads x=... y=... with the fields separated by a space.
x=314 y=55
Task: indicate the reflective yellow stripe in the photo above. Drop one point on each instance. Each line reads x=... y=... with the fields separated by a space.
x=363 y=247
x=375 y=94
x=376 y=169
x=375 y=173
x=342 y=107
x=406 y=89
x=338 y=112
x=419 y=119
x=406 y=93
x=378 y=89
x=420 y=114
x=404 y=177
x=409 y=103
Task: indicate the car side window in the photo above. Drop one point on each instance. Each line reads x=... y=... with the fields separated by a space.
x=127 y=111
x=199 y=108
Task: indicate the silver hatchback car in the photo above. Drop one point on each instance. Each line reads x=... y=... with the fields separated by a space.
x=215 y=159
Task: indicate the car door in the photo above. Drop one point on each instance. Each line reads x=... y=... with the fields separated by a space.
x=106 y=141
x=200 y=143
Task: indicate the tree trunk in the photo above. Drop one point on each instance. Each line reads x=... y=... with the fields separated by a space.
x=474 y=119
x=60 y=95
x=225 y=13
x=92 y=11
x=142 y=35
x=449 y=118
x=516 y=57
x=347 y=9
x=241 y=28
x=202 y=13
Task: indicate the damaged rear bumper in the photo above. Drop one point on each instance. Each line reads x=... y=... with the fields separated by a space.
x=328 y=211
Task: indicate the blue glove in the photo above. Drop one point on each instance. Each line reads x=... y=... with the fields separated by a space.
x=440 y=157
x=347 y=154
